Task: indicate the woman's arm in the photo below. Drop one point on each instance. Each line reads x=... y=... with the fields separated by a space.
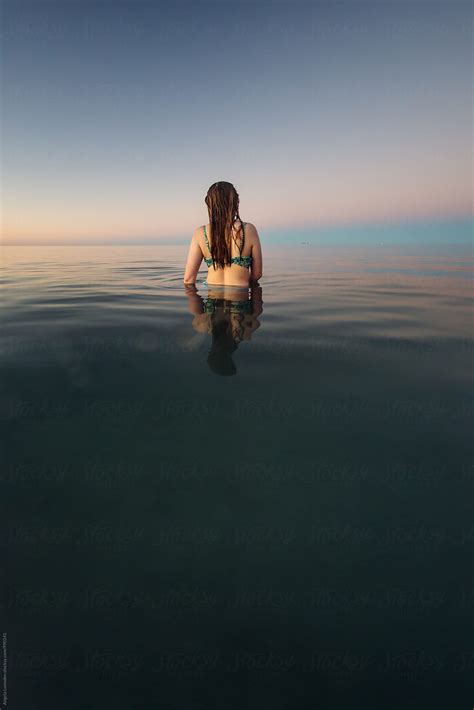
x=256 y=269
x=194 y=259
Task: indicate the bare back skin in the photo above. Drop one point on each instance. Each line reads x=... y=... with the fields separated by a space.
x=233 y=274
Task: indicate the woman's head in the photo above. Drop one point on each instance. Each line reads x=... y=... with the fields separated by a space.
x=222 y=202
x=222 y=197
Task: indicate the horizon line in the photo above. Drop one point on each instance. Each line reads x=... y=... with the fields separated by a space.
x=179 y=239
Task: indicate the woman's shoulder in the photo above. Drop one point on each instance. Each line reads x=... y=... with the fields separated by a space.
x=250 y=230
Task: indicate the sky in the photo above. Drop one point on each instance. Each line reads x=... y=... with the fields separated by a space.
x=118 y=116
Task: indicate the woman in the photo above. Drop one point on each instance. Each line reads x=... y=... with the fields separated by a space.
x=231 y=248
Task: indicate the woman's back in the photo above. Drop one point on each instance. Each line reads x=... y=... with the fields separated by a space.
x=241 y=250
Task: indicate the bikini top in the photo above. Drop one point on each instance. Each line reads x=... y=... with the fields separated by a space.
x=244 y=261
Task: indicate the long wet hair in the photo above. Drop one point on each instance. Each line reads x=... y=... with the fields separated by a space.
x=222 y=202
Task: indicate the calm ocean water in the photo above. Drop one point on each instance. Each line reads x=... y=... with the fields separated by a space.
x=218 y=500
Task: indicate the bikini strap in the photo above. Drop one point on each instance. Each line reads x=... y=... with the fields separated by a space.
x=207 y=241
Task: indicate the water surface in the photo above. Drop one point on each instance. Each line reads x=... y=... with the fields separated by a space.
x=248 y=500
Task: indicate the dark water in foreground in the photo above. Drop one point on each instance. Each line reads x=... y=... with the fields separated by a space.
x=237 y=503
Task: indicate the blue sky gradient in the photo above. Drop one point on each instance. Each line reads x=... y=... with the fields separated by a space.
x=117 y=116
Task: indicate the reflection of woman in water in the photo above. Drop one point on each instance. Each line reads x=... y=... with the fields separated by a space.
x=230 y=316
x=231 y=248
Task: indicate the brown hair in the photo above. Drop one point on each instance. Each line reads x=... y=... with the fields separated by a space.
x=222 y=202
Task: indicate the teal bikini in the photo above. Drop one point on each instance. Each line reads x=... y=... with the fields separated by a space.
x=245 y=261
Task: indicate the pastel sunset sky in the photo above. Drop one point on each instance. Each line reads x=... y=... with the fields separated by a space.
x=117 y=116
